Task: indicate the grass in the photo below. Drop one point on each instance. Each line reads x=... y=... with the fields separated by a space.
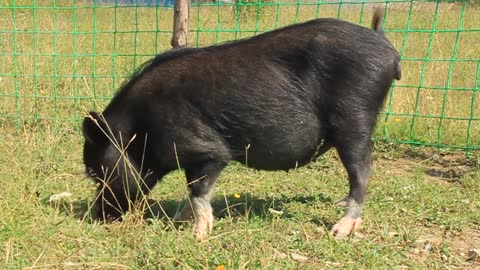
x=422 y=212
x=423 y=207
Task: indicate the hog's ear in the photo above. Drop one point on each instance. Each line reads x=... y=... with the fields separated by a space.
x=94 y=128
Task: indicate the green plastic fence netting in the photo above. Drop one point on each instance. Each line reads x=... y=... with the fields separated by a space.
x=59 y=59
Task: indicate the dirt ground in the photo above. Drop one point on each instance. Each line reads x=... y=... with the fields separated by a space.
x=445 y=169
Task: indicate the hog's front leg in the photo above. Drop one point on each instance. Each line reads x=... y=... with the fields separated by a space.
x=201 y=180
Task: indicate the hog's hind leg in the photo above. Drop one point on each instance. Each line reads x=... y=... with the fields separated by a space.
x=355 y=152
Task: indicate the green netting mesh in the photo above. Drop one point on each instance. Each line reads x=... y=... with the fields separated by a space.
x=59 y=59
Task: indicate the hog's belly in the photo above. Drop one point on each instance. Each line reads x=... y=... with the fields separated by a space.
x=279 y=147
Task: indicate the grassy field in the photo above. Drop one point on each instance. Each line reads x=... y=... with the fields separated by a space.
x=422 y=213
x=423 y=209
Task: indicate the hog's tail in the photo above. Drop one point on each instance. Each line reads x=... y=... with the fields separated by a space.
x=377 y=22
x=377 y=19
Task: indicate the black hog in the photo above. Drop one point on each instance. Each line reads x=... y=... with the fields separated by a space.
x=274 y=101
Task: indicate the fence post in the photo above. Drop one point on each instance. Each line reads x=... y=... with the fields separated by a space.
x=180 y=23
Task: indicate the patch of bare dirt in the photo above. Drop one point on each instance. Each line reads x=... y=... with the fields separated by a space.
x=447 y=167
x=448 y=246
x=459 y=248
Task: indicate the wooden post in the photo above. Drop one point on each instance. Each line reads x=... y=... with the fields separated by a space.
x=180 y=23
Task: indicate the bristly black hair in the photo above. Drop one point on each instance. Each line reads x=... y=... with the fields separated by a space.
x=154 y=62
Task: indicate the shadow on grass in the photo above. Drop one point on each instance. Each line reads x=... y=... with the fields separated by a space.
x=243 y=206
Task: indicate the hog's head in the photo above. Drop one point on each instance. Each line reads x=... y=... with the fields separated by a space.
x=113 y=158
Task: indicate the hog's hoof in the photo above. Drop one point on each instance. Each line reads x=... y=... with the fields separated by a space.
x=345 y=226
x=203 y=226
